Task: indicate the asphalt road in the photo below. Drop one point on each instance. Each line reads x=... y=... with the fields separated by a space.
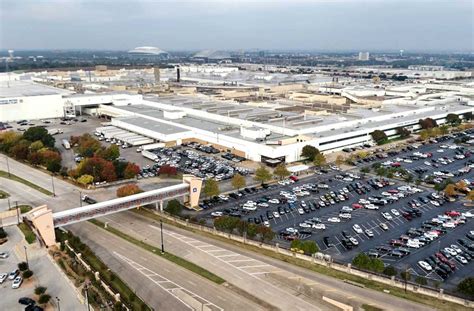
x=247 y=270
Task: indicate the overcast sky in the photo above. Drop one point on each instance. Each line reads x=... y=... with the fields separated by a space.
x=334 y=25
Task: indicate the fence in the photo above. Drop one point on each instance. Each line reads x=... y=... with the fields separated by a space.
x=322 y=259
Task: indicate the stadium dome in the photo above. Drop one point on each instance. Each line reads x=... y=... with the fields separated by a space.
x=147 y=50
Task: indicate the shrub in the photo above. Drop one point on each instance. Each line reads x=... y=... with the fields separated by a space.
x=127 y=190
x=27 y=274
x=390 y=271
x=174 y=207
x=40 y=290
x=466 y=286
x=44 y=299
x=22 y=266
x=3 y=233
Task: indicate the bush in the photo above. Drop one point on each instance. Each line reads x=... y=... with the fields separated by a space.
x=174 y=207
x=23 y=266
x=466 y=286
x=421 y=280
x=40 y=290
x=27 y=274
x=44 y=299
x=127 y=190
x=390 y=271
x=3 y=233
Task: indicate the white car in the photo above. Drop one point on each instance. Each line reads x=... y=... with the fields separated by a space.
x=354 y=241
x=274 y=201
x=3 y=277
x=413 y=244
x=12 y=275
x=407 y=161
x=346 y=209
x=300 y=211
x=424 y=265
x=440 y=150
x=276 y=214
x=434 y=203
x=319 y=226
x=451 y=251
x=461 y=259
x=249 y=207
x=263 y=204
x=334 y=219
x=3 y=255
x=456 y=248
x=357 y=228
x=223 y=197
x=468 y=214
x=395 y=212
x=304 y=225
x=387 y=216
x=291 y=230
x=266 y=223
x=369 y=233
x=449 y=225
x=216 y=214
x=345 y=215
x=371 y=207
x=17 y=282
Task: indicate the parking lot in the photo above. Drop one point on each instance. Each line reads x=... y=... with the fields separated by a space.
x=347 y=222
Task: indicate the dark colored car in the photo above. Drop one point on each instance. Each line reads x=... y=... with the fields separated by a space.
x=26 y=301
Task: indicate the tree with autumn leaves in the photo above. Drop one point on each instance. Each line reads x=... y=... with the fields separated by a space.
x=128 y=190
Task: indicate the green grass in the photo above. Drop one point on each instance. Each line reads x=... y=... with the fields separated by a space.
x=3 y=194
x=394 y=291
x=175 y=259
x=24 y=208
x=25 y=182
x=30 y=237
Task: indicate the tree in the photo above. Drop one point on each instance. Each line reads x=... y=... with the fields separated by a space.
x=319 y=160
x=361 y=260
x=87 y=145
x=453 y=119
x=85 y=180
x=425 y=134
x=8 y=139
x=3 y=233
x=365 y=169
x=36 y=146
x=262 y=174
x=281 y=171
x=266 y=234
x=39 y=133
x=402 y=132
x=27 y=274
x=127 y=190
x=310 y=247
x=51 y=160
x=390 y=271
x=421 y=280
x=340 y=160
x=120 y=167
x=470 y=196
x=427 y=123
x=111 y=153
x=23 y=266
x=21 y=150
x=466 y=286
x=44 y=299
x=450 y=190
x=309 y=152
x=238 y=181
x=40 y=290
x=408 y=178
x=131 y=170
x=444 y=129
x=108 y=172
x=379 y=137
x=168 y=170
x=174 y=207
x=211 y=188
x=467 y=116
x=405 y=275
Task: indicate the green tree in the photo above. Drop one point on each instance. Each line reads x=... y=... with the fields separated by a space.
x=44 y=299
x=40 y=290
x=444 y=129
x=27 y=274
x=402 y=132
x=211 y=188
x=361 y=260
x=22 y=266
x=111 y=153
x=262 y=174
x=296 y=244
x=421 y=280
x=408 y=178
x=390 y=271
x=266 y=234
x=466 y=286
x=453 y=119
x=405 y=275
x=174 y=207
x=39 y=133
x=319 y=160
x=238 y=181
x=281 y=171
x=309 y=152
x=85 y=180
x=365 y=169
x=36 y=146
x=379 y=137
x=468 y=116
x=310 y=247
x=427 y=123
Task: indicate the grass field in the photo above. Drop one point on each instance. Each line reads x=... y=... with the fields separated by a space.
x=30 y=237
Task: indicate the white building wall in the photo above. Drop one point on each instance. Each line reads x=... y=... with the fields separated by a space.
x=32 y=108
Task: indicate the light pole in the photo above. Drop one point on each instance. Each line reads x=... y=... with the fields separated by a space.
x=52 y=183
x=80 y=197
x=26 y=256
x=162 y=243
x=59 y=305
x=87 y=296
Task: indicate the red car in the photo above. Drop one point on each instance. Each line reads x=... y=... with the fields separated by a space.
x=395 y=164
x=356 y=206
x=294 y=178
x=392 y=191
x=453 y=213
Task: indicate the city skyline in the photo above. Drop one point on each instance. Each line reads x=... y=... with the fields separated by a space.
x=370 y=25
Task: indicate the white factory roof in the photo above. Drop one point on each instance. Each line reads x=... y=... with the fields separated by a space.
x=27 y=88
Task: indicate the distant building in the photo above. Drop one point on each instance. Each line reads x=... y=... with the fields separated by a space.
x=364 y=56
x=212 y=56
x=148 y=52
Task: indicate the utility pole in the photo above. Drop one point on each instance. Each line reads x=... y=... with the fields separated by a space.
x=162 y=242
x=17 y=212
x=59 y=305
x=26 y=256
x=87 y=296
x=8 y=167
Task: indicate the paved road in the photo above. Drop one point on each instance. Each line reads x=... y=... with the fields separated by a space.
x=21 y=194
x=155 y=279
x=247 y=269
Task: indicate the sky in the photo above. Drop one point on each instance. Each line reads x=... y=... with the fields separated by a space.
x=319 y=25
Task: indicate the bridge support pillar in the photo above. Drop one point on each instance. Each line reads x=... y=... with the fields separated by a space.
x=159 y=206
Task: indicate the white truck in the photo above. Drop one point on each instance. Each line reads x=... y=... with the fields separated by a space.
x=152 y=146
x=55 y=131
x=149 y=155
x=139 y=141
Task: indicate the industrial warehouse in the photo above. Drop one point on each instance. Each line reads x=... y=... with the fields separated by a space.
x=264 y=118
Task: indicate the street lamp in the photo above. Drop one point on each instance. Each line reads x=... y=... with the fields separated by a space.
x=80 y=196
x=26 y=256
x=52 y=182
x=162 y=243
x=59 y=305
x=8 y=167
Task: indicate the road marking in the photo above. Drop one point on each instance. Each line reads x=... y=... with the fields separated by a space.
x=169 y=290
